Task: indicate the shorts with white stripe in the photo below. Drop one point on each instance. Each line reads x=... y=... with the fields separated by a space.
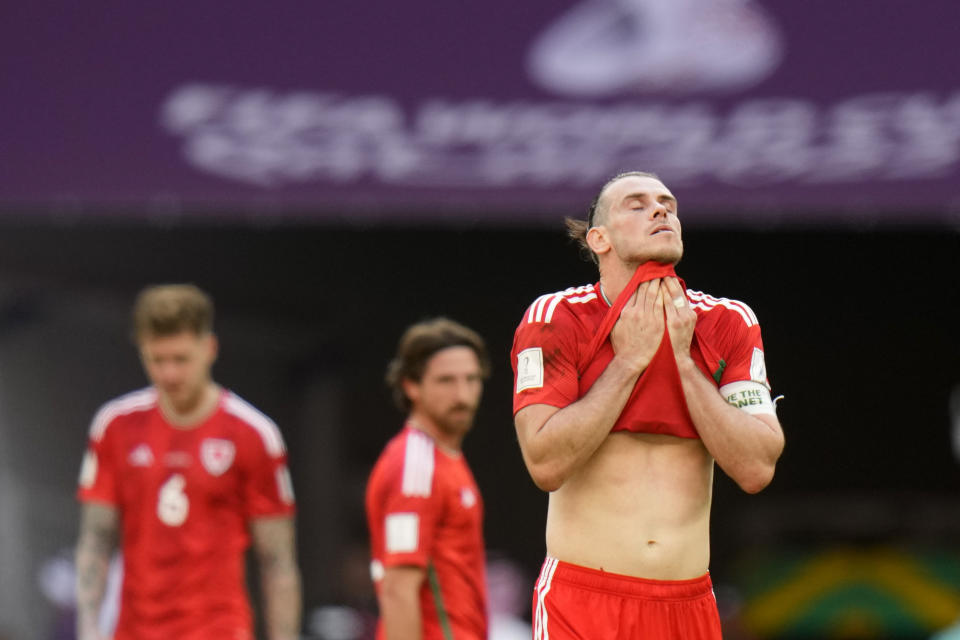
x=577 y=603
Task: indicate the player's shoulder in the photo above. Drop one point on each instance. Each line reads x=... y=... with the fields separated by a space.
x=722 y=311
x=408 y=462
x=254 y=420
x=554 y=306
x=114 y=411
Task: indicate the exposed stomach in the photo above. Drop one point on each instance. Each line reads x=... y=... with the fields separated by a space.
x=639 y=507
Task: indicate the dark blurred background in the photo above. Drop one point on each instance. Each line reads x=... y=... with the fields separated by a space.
x=331 y=175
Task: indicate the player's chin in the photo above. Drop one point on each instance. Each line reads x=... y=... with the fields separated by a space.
x=459 y=419
x=670 y=254
x=174 y=392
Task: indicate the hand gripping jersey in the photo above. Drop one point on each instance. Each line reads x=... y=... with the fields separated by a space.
x=556 y=358
x=424 y=510
x=185 y=497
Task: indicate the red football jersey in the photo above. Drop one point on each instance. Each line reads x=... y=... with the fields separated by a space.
x=185 y=497
x=553 y=363
x=424 y=510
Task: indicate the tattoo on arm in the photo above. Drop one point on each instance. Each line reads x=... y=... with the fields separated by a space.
x=95 y=544
x=275 y=544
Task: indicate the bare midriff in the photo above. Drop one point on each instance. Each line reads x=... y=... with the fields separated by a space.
x=639 y=507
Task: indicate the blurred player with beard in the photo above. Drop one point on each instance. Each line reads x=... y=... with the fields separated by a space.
x=627 y=392
x=424 y=510
x=185 y=474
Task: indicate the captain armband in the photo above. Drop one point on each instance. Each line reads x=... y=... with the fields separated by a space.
x=752 y=397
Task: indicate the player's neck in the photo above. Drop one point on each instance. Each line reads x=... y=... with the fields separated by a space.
x=614 y=276
x=194 y=413
x=448 y=442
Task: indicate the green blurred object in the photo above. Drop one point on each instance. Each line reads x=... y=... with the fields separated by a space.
x=849 y=593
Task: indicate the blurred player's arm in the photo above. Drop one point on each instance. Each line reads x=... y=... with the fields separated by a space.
x=274 y=541
x=556 y=442
x=400 y=602
x=99 y=524
x=746 y=446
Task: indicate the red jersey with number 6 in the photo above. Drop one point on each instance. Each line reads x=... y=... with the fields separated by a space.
x=184 y=497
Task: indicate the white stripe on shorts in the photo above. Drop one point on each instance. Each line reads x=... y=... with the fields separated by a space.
x=540 y=631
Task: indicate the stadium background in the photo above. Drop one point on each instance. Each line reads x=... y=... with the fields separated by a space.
x=854 y=282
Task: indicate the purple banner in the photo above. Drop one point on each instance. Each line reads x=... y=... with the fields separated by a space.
x=752 y=111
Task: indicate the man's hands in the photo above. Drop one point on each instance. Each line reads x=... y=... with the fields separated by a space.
x=681 y=318
x=637 y=334
x=639 y=330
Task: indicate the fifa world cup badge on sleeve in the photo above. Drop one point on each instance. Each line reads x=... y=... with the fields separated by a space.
x=530 y=369
x=403 y=532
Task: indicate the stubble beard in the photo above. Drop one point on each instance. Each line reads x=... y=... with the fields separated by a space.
x=671 y=255
x=455 y=422
x=665 y=255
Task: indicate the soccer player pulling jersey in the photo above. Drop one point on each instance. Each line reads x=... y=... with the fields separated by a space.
x=626 y=393
x=727 y=347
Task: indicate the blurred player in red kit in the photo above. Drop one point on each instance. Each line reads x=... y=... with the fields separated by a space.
x=626 y=393
x=424 y=510
x=185 y=473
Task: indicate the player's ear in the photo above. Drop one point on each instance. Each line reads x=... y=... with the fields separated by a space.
x=213 y=346
x=412 y=389
x=598 y=240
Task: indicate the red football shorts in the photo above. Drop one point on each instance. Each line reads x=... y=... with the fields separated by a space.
x=576 y=603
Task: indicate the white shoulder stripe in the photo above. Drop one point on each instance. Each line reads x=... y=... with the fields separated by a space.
x=742 y=306
x=554 y=300
x=418 y=465
x=586 y=298
x=707 y=302
x=536 y=305
x=139 y=400
x=267 y=428
x=553 y=306
x=543 y=307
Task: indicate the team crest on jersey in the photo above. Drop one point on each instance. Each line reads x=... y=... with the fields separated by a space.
x=217 y=455
x=467 y=497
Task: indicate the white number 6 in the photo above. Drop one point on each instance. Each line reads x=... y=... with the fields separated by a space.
x=172 y=504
